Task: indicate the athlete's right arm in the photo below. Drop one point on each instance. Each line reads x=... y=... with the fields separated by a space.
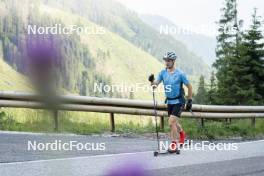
x=155 y=83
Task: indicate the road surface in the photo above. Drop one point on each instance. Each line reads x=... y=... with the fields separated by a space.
x=16 y=159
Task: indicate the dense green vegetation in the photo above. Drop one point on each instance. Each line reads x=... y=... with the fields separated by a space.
x=76 y=60
x=207 y=91
x=240 y=65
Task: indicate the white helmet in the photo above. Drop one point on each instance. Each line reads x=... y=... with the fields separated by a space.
x=170 y=55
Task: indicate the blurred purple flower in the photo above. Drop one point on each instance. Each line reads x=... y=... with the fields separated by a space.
x=43 y=61
x=129 y=169
x=43 y=52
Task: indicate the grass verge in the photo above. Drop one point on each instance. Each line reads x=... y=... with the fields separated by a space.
x=67 y=124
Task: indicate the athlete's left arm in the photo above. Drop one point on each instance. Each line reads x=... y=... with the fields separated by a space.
x=189 y=86
x=187 y=83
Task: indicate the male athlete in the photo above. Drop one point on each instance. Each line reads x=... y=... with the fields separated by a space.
x=173 y=79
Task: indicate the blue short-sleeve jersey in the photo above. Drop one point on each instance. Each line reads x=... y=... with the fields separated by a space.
x=172 y=83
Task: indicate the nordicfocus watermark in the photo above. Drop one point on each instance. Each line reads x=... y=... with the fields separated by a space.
x=204 y=145
x=123 y=88
x=58 y=145
x=191 y=30
x=59 y=29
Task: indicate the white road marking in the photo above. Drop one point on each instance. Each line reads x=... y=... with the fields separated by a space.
x=77 y=158
x=38 y=133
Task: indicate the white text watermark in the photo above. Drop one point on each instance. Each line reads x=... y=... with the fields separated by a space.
x=58 y=145
x=124 y=88
x=203 y=145
x=59 y=29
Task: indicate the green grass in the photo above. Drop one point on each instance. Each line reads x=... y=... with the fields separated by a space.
x=90 y=123
x=222 y=130
x=42 y=121
x=12 y=80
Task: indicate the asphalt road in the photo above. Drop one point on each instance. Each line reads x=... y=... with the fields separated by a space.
x=16 y=159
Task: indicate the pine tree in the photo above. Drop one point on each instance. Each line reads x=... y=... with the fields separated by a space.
x=227 y=54
x=251 y=73
x=212 y=89
x=83 y=89
x=202 y=95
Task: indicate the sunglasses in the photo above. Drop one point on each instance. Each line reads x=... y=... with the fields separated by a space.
x=168 y=60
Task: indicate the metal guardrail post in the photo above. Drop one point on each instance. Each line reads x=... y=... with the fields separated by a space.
x=56 y=120
x=161 y=123
x=112 y=122
x=253 y=122
x=202 y=122
x=228 y=120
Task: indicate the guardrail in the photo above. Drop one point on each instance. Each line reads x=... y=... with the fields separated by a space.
x=113 y=106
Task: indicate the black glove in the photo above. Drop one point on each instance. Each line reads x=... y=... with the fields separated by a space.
x=151 y=78
x=189 y=105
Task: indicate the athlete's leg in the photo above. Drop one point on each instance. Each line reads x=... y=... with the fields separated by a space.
x=177 y=113
x=173 y=127
x=180 y=131
x=179 y=127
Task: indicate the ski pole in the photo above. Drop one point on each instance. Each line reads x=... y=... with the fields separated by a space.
x=195 y=118
x=155 y=113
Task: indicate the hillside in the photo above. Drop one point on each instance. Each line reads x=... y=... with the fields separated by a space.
x=125 y=63
x=201 y=45
x=127 y=24
x=109 y=59
x=12 y=80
